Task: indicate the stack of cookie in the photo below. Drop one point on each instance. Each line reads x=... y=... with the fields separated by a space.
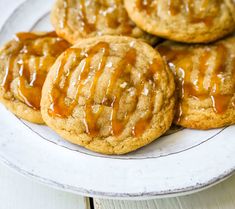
x=108 y=81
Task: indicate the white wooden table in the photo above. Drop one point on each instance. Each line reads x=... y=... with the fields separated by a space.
x=18 y=192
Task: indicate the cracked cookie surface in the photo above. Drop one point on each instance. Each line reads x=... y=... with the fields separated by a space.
x=24 y=63
x=109 y=94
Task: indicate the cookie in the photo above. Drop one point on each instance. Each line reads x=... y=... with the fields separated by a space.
x=24 y=63
x=189 y=21
x=76 y=19
x=231 y=6
x=205 y=77
x=110 y=94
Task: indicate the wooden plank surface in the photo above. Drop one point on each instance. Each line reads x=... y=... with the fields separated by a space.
x=221 y=196
x=18 y=192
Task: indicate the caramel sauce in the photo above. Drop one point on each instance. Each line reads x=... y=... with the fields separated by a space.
x=144 y=5
x=128 y=60
x=208 y=21
x=175 y=7
x=220 y=102
x=88 y=27
x=116 y=16
x=24 y=36
x=30 y=91
x=29 y=86
x=90 y=117
x=112 y=13
x=180 y=61
x=112 y=21
x=144 y=123
x=199 y=17
x=202 y=69
x=63 y=107
x=140 y=127
x=59 y=108
x=58 y=93
x=8 y=77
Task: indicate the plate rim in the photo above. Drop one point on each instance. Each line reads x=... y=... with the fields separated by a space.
x=121 y=196
x=93 y=193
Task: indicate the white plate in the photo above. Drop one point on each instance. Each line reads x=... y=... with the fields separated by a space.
x=180 y=163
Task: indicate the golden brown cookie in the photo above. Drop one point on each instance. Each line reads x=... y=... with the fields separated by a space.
x=76 y=19
x=205 y=76
x=231 y=6
x=24 y=63
x=110 y=94
x=190 y=21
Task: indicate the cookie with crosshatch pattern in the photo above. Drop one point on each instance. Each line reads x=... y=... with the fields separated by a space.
x=24 y=63
x=110 y=94
x=77 y=19
x=205 y=77
x=190 y=21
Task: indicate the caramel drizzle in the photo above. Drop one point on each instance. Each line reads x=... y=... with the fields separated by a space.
x=90 y=117
x=114 y=21
x=29 y=89
x=112 y=15
x=8 y=77
x=64 y=17
x=144 y=123
x=86 y=25
x=24 y=36
x=58 y=94
x=220 y=102
x=128 y=60
x=197 y=18
x=20 y=37
x=176 y=6
x=144 y=5
x=60 y=107
x=181 y=60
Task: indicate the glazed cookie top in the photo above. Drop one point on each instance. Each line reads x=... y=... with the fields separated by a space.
x=206 y=82
x=192 y=21
x=231 y=5
x=75 y=19
x=25 y=62
x=110 y=94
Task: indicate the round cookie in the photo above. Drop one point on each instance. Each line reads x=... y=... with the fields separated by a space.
x=190 y=21
x=110 y=94
x=205 y=77
x=24 y=63
x=76 y=19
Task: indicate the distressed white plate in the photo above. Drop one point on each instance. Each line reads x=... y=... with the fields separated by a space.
x=180 y=163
